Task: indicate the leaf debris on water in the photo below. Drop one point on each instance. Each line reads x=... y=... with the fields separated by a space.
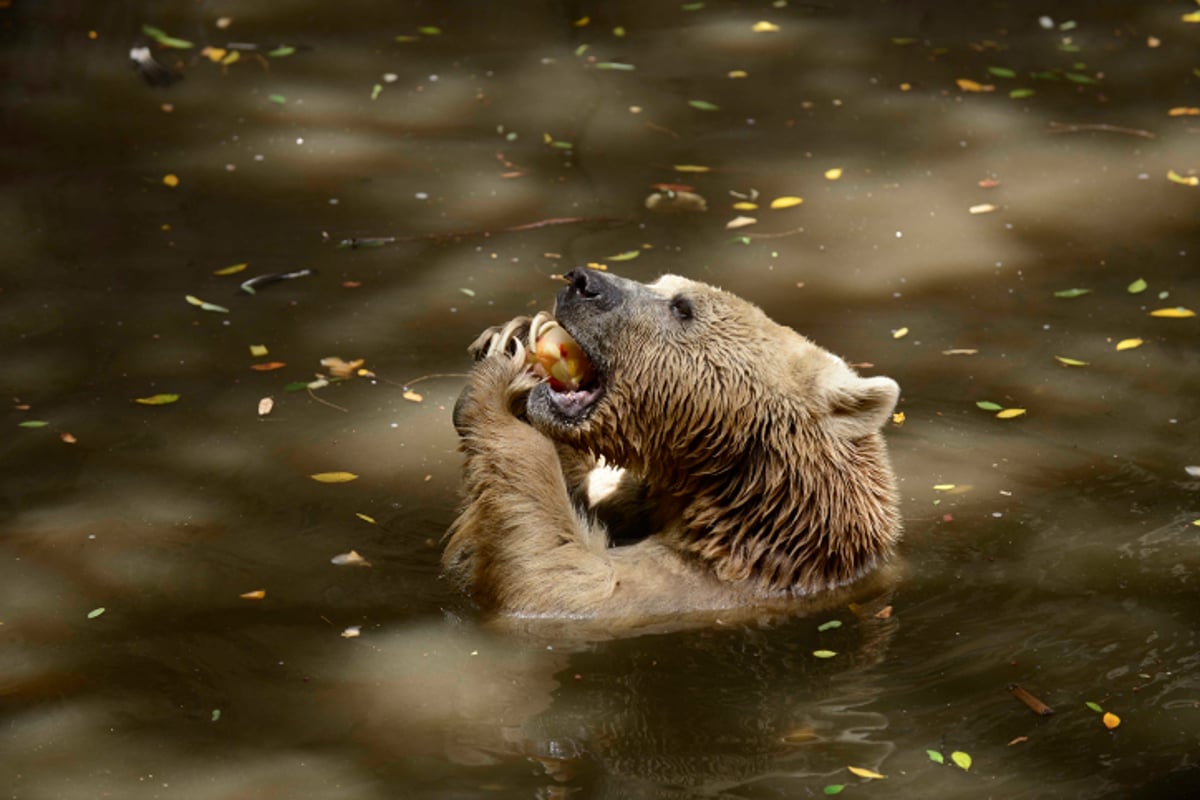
x=1129 y=344
x=256 y=594
x=863 y=772
x=1069 y=293
x=740 y=222
x=412 y=397
x=231 y=270
x=265 y=405
x=1110 y=720
x=900 y=333
x=1070 y=362
x=830 y=625
x=366 y=518
x=204 y=306
x=333 y=477
x=788 y=201
x=95 y=612
x=1010 y=413
x=961 y=759
x=1178 y=312
x=350 y=559
x=1189 y=180
x=824 y=653
x=353 y=632
x=982 y=208
x=961 y=351
x=762 y=26
x=1137 y=287
x=170 y=180
x=935 y=756
x=157 y=399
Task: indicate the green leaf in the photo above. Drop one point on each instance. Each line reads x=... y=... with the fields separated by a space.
x=1094 y=707
x=617 y=65
x=828 y=626
x=1078 y=78
x=1021 y=94
x=430 y=30
x=157 y=399
x=375 y=90
x=834 y=788
x=281 y=51
x=95 y=612
x=277 y=98
x=628 y=255
x=1137 y=287
x=935 y=757
x=903 y=40
x=961 y=759
x=1069 y=293
x=296 y=386
x=1002 y=72
x=160 y=36
x=33 y=423
x=824 y=653
x=216 y=715
x=988 y=405
x=704 y=105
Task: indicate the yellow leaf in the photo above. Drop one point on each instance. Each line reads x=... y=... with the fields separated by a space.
x=257 y=594
x=691 y=168
x=738 y=73
x=1184 y=111
x=412 y=397
x=1010 y=413
x=258 y=350
x=968 y=85
x=365 y=518
x=1175 y=177
x=231 y=58
x=740 y=222
x=1173 y=313
x=745 y=205
x=333 y=477
x=944 y=487
x=862 y=772
x=900 y=333
x=833 y=174
x=762 y=26
x=213 y=54
x=1192 y=17
x=236 y=268
x=786 y=202
x=982 y=208
x=171 y=179
x=1129 y=344
x=1110 y=720
x=1070 y=362
x=898 y=418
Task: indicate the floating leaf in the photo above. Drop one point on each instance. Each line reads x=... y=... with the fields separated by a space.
x=968 y=85
x=158 y=35
x=171 y=180
x=833 y=174
x=961 y=351
x=157 y=399
x=834 y=788
x=762 y=26
x=935 y=756
x=862 y=772
x=1002 y=72
x=1175 y=177
x=900 y=333
x=353 y=632
x=365 y=518
x=961 y=759
x=236 y=268
x=1184 y=111
x=1076 y=77
x=333 y=477
x=1070 y=362
x=1173 y=313
x=988 y=405
x=1010 y=413
x=615 y=65
x=215 y=716
x=203 y=306
x=67 y=438
x=1137 y=287
x=33 y=423
x=257 y=594
x=704 y=105
x=412 y=397
x=944 y=487
x=628 y=255
x=740 y=222
x=281 y=51
x=1110 y=720
x=376 y=90
x=296 y=386
x=430 y=30
x=268 y=366
x=265 y=405
x=277 y=98
x=786 y=202
x=691 y=168
x=898 y=418
x=745 y=205
x=830 y=625
x=1021 y=94
x=824 y=653
x=982 y=208
x=350 y=559
x=95 y=612
x=1193 y=16
x=1094 y=707
x=258 y=350
x=1069 y=293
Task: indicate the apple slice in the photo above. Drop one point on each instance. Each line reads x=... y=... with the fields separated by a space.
x=560 y=359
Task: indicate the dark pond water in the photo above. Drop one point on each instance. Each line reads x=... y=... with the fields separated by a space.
x=508 y=145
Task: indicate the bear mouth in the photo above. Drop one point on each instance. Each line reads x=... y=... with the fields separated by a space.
x=574 y=384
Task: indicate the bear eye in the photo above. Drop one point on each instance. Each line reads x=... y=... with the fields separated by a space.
x=681 y=307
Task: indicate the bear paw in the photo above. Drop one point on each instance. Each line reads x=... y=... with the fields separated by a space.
x=517 y=338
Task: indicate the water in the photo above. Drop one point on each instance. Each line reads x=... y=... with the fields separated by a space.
x=1064 y=560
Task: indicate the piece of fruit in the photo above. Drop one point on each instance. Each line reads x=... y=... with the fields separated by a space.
x=560 y=359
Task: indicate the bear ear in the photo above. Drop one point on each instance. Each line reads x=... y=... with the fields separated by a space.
x=860 y=406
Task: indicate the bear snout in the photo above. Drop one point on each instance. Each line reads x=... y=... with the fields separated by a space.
x=588 y=286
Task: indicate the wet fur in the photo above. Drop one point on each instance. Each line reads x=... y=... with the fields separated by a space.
x=753 y=460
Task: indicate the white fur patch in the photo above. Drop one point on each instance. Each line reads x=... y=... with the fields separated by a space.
x=602 y=481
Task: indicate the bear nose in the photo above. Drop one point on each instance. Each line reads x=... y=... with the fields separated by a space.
x=591 y=289
x=584 y=282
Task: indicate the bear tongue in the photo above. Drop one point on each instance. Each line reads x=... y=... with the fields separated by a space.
x=559 y=358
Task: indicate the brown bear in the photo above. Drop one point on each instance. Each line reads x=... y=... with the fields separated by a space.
x=755 y=473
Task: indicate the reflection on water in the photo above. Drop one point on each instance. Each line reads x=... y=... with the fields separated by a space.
x=507 y=145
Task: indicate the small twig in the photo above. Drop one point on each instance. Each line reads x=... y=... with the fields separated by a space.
x=1068 y=127
x=326 y=402
x=415 y=381
x=376 y=241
